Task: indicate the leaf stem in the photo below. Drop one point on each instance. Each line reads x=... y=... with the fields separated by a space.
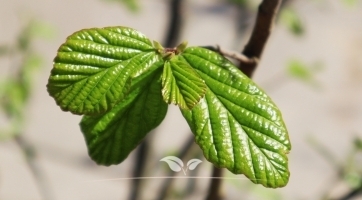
x=29 y=153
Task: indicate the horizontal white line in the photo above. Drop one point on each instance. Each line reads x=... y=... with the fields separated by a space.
x=167 y=177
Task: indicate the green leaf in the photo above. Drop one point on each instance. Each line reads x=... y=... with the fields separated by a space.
x=350 y=3
x=236 y=124
x=94 y=68
x=111 y=137
x=181 y=85
x=42 y=29
x=292 y=21
x=13 y=97
x=130 y=4
x=299 y=70
x=358 y=143
x=303 y=72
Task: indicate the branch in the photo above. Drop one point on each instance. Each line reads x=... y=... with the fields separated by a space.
x=139 y=166
x=30 y=157
x=352 y=194
x=264 y=23
x=182 y=154
x=215 y=185
x=174 y=24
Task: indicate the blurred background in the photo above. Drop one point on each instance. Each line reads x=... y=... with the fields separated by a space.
x=311 y=67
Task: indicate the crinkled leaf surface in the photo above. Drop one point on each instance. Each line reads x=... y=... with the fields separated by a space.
x=112 y=136
x=181 y=85
x=236 y=124
x=94 y=68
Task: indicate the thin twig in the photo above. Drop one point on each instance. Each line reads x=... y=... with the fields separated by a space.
x=182 y=154
x=232 y=54
x=191 y=183
x=174 y=24
x=30 y=156
x=352 y=194
x=215 y=185
x=139 y=167
x=264 y=23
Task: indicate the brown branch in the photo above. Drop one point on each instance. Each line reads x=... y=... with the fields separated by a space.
x=174 y=23
x=352 y=194
x=214 y=192
x=264 y=23
x=141 y=155
x=165 y=188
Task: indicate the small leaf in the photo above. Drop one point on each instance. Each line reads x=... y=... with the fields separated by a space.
x=236 y=124
x=350 y=3
x=192 y=164
x=41 y=29
x=358 y=143
x=181 y=47
x=299 y=70
x=174 y=163
x=181 y=85
x=158 y=47
x=112 y=136
x=292 y=21
x=132 y=5
x=94 y=68
x=304 y=72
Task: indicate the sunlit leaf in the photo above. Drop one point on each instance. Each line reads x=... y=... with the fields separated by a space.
x=116 y=75
x=236 y=124
x=94 y=68
x=112 y=136
x=181 y=85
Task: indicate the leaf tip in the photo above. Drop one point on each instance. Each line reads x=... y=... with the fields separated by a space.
x=158 y=46
x=181 y=47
